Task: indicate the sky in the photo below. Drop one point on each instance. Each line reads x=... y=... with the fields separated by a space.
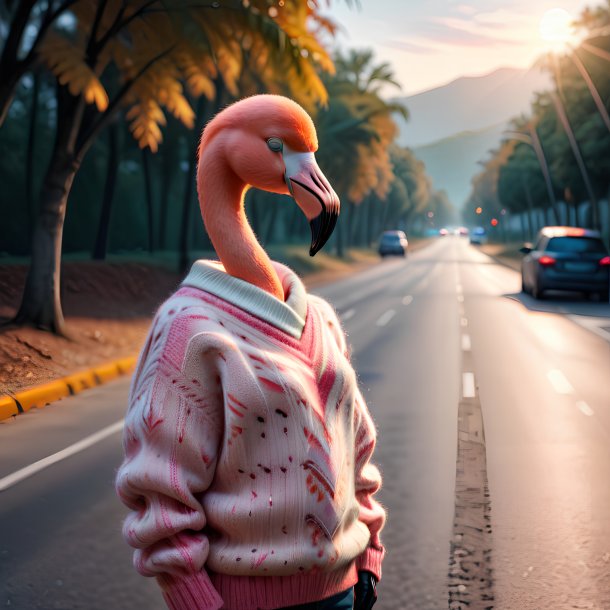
x=432 y=42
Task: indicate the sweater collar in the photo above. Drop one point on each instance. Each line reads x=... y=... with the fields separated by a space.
x=289 y=315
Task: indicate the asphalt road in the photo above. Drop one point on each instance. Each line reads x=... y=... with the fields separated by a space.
x=425 y=332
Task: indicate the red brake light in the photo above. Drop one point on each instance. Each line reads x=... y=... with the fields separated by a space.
x=605 y=262
x=546 y=261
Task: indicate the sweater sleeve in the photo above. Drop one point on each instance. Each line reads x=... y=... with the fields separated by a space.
x=171 y=438
x=367 y=476
x=368 y=482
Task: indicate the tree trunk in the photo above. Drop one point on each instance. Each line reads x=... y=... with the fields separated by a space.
x=12 y=69
x=101 y=240
x=524 y=230
x=150 y=207
x=373 y=222
x=183 y=242
x=41 y=303
x=530 y=208
x=270 y=224
x=349 y=212
x=29 y=170
x=339 y=231
x=169 y=164
x=580 y=162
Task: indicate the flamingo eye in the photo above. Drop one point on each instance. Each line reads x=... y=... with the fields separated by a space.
x=275 y=144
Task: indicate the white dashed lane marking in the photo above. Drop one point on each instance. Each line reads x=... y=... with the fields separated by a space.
x=384 y=318
x=466 y=343
x=464 y=322
x=559 y=382
x=348 y=314
x=584 y=408
x=468 y=387
x=407 y=300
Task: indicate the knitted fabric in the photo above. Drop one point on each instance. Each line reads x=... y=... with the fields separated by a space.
x=247 y=450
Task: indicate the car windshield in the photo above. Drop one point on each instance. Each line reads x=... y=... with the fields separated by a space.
x=575 y=244
x=392 y=238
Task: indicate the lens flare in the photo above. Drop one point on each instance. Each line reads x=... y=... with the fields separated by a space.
x=556 y=27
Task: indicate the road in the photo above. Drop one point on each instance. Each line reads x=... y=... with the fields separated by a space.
x=432 y=336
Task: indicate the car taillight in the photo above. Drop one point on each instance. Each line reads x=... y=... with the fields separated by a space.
x=546 y=261
x=605 y=262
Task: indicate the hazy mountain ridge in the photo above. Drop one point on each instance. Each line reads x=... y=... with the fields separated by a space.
x=468 y=103
x=453 y=127
x=452 y=162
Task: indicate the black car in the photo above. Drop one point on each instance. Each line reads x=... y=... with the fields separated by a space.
x=393 y=242
x=566 y=258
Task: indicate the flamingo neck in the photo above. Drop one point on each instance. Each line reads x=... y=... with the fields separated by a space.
x=221 y=197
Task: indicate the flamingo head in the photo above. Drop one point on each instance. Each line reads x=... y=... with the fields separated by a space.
x=269 y=142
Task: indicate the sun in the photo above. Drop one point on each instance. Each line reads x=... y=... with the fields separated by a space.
x=557 y=29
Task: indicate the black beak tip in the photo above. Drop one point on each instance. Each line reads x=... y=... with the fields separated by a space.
x=321 y=229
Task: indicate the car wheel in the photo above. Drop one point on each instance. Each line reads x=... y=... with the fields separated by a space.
x=536 y=292
x=524 y=287
x=602 y=296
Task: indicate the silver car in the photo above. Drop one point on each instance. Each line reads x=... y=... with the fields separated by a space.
x=566 y=258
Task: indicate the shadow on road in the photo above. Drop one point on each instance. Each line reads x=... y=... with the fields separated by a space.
x=563 y=303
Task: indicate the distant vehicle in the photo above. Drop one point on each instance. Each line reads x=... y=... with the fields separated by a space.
x=443 y=232
x=393 y=242
x=566 y=258
x=478 y=236
x=463 y=231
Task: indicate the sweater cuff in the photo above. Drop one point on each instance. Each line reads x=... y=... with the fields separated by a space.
x=371 y=560
x=193 y=592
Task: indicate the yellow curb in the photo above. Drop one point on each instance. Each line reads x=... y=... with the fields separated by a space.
x=42 y=395
x=8 y=407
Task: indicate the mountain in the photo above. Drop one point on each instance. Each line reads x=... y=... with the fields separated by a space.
x=468 y=103
x=452 y=127
x=453 y=161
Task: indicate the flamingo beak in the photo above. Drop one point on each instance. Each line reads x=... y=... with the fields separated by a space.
x=313 y=194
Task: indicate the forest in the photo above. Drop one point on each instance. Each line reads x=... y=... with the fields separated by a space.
x=102 y=103
x=553 y=165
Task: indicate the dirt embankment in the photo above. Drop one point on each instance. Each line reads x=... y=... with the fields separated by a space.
x=107 y=308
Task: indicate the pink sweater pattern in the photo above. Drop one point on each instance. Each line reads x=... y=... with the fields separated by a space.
x=247 y=450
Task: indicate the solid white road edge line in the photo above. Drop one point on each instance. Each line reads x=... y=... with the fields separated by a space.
x=384 y=318
x=584 y=408
x=348 y=314
x=466 y=343
x=28 y=471
x=559 y=382
x=468 y=389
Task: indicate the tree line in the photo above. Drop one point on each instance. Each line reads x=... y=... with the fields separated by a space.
x=102 y=103
x=553 y=165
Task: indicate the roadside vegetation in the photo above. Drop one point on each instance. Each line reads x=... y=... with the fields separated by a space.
x=553 y=165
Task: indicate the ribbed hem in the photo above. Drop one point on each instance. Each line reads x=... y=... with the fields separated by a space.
x=288 y=316
x=194 y=592
x=265 y=592
x=371 y=560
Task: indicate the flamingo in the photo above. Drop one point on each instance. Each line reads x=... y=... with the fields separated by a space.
x=266 y=142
